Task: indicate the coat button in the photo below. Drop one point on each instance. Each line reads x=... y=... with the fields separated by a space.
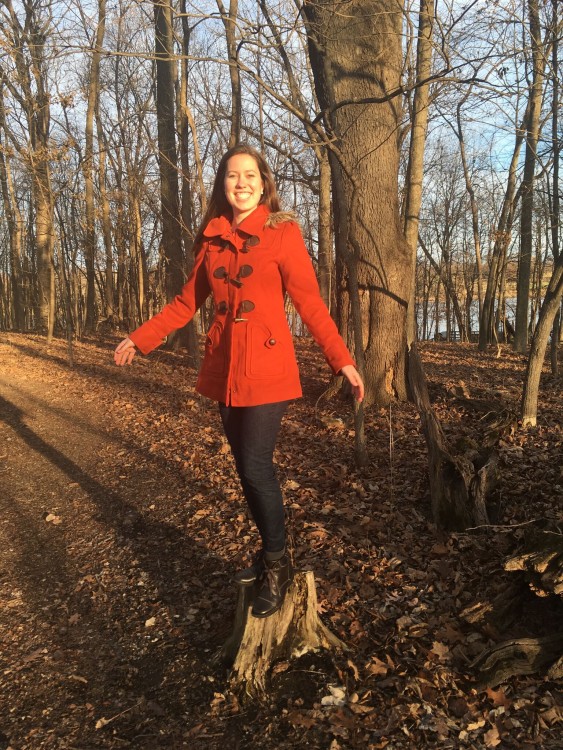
x=252 y=241
x=272 y=342
x=246 y=306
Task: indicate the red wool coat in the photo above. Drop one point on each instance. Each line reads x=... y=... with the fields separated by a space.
x=249 y=355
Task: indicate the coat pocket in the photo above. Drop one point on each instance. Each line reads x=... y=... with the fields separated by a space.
x=265 y=354
x=215 y=360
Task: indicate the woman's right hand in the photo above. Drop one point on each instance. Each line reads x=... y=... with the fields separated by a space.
x=124 y=352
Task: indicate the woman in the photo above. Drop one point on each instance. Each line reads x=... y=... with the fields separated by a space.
x=248 y=254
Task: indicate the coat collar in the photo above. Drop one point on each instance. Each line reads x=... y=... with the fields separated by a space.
x=254 y=224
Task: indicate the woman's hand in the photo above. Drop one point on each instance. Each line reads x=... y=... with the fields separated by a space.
x=353 y=377
x=124 y=352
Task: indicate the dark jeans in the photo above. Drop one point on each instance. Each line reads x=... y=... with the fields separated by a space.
x=252 y=432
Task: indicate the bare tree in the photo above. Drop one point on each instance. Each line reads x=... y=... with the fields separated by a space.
x=501 y=241
x=230 y=23
x=14 y=222
x=355 y=52
x=549 y=309
x=168 y=159
x=532 y=136
x=551 y=305
x=419 y=124
x=555 y=201
x=88 y=168
x=27 y=84
x=324 y=223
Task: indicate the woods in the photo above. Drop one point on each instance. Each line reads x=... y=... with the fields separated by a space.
x=419 y=145
x=107 y=157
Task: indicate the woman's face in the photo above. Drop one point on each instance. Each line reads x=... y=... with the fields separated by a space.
x=243 y=185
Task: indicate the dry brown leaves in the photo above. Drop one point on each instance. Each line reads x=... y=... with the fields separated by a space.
x=115 y=583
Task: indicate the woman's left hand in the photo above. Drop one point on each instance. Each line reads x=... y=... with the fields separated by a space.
x=353 y=377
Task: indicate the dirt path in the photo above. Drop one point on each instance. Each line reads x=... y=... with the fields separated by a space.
x=92 y=588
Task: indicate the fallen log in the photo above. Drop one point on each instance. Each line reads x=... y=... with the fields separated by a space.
x=257 y=644
x=519 y=656
x=541 y=559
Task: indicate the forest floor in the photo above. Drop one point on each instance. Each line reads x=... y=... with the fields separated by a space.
x=121 y=523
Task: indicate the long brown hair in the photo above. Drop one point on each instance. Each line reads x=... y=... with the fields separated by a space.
x=218 y=203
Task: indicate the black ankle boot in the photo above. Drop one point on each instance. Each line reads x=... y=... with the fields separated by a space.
x=272 y=586
x=248 y=576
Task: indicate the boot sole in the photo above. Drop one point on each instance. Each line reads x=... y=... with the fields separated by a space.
x=245 y=582
x=267 y=614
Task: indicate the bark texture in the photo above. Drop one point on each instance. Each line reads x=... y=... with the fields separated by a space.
x=257 y=644
x=356 y=57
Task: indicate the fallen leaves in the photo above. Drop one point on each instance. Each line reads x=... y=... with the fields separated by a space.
x=109 y=610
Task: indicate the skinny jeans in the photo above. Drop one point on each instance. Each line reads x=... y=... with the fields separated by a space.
x=252 y=432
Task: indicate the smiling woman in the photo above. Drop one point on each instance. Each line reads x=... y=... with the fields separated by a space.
x=243 y=186
x=248 y=255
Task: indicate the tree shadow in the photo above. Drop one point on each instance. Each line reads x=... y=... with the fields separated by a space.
x=101 y=373
x=80 y=628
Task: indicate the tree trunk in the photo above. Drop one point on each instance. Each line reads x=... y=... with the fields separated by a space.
x=474 y=210
x=109 y=310
x=549 y=310
x=555 y=202
x=229 y=22
x=138 y=269
x=325 y=229
x=487 y=322
x=168 y=161
x=415 y=169
x=355 y=56
x=325 y=254
x=43 y=200
x=526 y=219
x=188 y=208
x=256 y=644
x=15 y=227
x=88 y=170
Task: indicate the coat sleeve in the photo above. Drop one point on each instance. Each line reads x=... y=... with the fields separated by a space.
x=300 y=281
x=176 y=313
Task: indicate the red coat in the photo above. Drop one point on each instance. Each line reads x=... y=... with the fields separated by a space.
x=249 y=356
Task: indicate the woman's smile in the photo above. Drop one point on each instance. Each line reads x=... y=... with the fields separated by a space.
x=243 y=185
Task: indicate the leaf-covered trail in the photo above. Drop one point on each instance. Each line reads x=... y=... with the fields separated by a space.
x=121 y=522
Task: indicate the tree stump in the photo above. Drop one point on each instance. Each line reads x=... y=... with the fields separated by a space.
x=256 y=644
x=458 y=484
